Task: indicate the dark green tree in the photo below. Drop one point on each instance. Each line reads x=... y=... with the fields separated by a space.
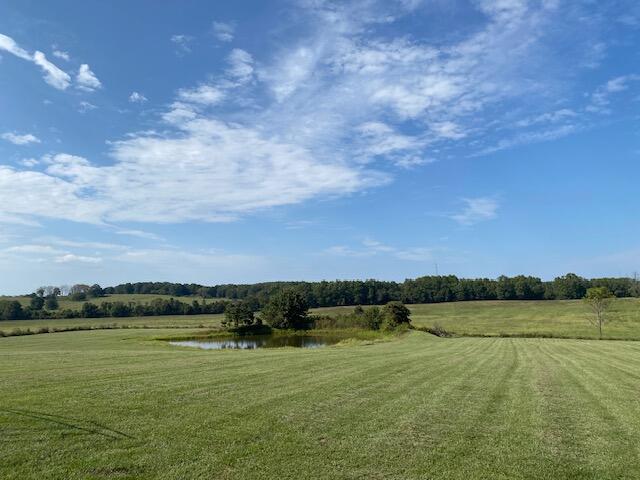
x=238 y=314
x=95 y=291
x=37 y=302
x=286 y=309
x=51 y=302
x=396 y=314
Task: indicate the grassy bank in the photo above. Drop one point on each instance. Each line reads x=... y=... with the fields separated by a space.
x=115 y=404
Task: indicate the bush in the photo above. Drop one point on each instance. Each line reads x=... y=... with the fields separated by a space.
x=396 y=314
x=51 y=302
x=11 y=310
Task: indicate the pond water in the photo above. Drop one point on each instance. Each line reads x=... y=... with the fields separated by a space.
x=251 y=342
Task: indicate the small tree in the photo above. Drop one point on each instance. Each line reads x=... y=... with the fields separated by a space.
x=51 y=302
x=286 y=309
x=396 y=314
x=37 y=302
x=95 y=291
x=238 y=314
x=599 y=300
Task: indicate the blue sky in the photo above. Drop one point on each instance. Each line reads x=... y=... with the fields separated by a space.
x=246 y=141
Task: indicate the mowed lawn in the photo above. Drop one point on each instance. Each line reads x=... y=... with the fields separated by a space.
x=562 y=318
x=116 y=404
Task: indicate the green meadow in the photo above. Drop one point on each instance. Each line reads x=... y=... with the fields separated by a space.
x=118 y=404
x=124 y=404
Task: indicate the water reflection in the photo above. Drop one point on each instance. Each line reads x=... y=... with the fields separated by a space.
x=260 y=341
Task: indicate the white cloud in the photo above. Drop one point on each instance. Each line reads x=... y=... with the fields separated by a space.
x=17 y=139
x=240 y=65
x=9 y=45
x=477 y=210
x=86 y=80
x=140 y=234
x=85 y=106
x=137 y=97
x=556 y=116
x=202 y=95
x=229 y=170
x=72 y=258
x=601 y=98
x=29 y=162
x=182 y=43
x=52 y=75
x=34 y=248
x=61 y=54
x=223 y=31
x=370 y=248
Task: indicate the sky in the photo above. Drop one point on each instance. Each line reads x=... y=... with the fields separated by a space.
x=246 y=141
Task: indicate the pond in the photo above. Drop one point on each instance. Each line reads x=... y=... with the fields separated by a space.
x=251 y=342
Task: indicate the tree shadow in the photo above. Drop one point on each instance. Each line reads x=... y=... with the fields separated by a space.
x=90 y=426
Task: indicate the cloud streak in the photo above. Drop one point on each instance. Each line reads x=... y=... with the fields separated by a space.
x=53 y=75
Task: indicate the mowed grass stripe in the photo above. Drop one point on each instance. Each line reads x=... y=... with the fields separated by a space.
x=414 y=407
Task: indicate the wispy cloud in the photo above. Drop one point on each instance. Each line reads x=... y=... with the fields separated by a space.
x=182 y=43
x=85 y=106
x=370 y=248
x=137 y=97
x=53 y=75
x=223 y=31
x=17 y=139
x=477 y=210
x=61 y=55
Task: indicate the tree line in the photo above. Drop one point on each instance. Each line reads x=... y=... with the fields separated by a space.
x=428 y=289
x=13 y=310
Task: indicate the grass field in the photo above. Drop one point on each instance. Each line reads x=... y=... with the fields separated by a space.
x=562 y=318
x=117 y=404
x=160 y=321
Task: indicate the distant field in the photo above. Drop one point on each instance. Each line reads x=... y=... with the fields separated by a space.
x=568 y=318
x=117 y=404
x=563 y=318
x=161 y=321
x=66 y=303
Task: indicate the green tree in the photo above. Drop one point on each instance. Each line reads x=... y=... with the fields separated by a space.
x=91 y=310
x=95 y=291
x=238 y=314
x=599 y=300
x=286 y=309
x=11 y=310
x=396 y=314
x=37 y=302
x=51 y=302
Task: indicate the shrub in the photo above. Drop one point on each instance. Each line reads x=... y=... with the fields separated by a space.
x=395 y=315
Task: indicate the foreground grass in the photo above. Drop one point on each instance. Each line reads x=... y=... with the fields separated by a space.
x=115 y=404
x=560 y=318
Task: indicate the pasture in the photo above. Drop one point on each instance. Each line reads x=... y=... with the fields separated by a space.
x=119 y=404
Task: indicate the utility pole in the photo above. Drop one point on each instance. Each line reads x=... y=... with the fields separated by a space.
x=436 y=264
